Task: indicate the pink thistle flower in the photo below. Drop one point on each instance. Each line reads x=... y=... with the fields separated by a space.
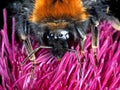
x=66 y=74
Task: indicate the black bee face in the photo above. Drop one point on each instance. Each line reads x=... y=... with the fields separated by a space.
x=59 y=40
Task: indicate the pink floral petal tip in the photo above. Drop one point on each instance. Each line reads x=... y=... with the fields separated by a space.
x=65 y=74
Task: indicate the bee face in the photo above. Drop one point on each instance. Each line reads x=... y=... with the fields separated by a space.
x=58 y=40
x=59 y=36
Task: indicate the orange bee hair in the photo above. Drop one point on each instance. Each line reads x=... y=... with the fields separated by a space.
x=58 y=9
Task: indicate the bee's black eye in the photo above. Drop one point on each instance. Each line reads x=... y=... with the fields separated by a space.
x=51 y=34
x=63 y=34
x=60 y=35
x=67 y=35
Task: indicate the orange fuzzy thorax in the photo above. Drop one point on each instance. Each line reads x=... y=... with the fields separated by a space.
x=67 y=9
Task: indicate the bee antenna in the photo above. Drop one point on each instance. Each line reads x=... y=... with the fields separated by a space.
x=34 y=51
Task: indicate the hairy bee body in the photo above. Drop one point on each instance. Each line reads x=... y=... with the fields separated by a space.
x=59 y=23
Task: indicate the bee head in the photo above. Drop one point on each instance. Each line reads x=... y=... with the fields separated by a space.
x=59 y=39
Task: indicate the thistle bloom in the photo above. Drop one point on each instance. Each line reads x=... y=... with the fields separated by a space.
x=65 y=74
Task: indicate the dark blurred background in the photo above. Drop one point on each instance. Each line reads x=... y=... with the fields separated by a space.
x=6 y=4
x=3 y=4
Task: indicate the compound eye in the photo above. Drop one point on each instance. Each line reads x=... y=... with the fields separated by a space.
x=67 y=35
x=51 y=35
x=60 y=35
x=63 y=35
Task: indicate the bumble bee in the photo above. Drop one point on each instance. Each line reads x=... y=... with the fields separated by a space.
x=59 y=24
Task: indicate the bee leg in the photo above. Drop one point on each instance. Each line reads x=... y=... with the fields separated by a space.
x=82 y=36
x=116 y=23
x=33 y=52
x=22 y=32
x=29 y=49
x=95 y=38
